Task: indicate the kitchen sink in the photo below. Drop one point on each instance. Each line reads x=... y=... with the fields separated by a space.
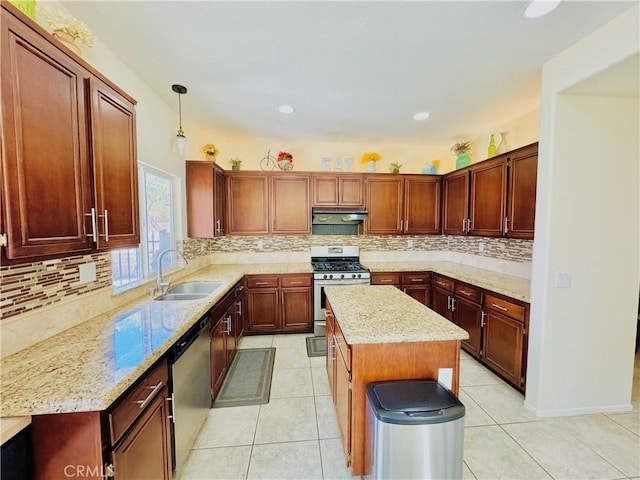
x=180 y=296
x=195 y=288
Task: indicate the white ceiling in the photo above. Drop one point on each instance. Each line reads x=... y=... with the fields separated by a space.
x=354 y=71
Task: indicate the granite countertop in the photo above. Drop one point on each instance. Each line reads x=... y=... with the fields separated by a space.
x=11 y=426
x=87 y=367
x=384 y=314
x=509 y=285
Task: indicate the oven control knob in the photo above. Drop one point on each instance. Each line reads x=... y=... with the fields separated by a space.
x=324 y=276
x=359 y=275
x=330 y=276
x=342 y=275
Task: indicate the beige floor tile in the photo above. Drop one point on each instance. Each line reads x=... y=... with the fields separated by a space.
x=291 y=382
x=612 y=441
x=217 y=463
x=317 y=362
x=227 y=427
x=466 y=472
x=334 y=464
x=320 y=381
x=291 y=358
x=465 y=356
x=503 y=403
x=630 y=421
x=256 y=341
x=291 y=460
x=474 y=416
x=291 y=340
x=326 y=416
x=287 y=420
x=472 y=373
x=492 y=454
x=560 y=452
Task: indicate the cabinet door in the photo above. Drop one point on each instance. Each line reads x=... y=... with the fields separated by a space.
x=218 y=355
x=262 y=304
x=248 y=203
x=342 y=380
x=488 y=198
x=502 y=345
x=468 y=316
x=296 y=309
x=384 y=202
x=521 y=201
x=422 y=205
x=420 y=293
x=456 y=200
x=46 y=172
x=220 y=201
x=115 y=168
x=440 y=300
x=350 y=190
x=325 y=190
x=290 y=204
x=200 y=199
x=146 y=451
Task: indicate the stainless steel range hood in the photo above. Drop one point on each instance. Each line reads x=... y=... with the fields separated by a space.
x=337 y=220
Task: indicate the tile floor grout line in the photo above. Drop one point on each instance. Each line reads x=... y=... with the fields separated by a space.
x=526 y=451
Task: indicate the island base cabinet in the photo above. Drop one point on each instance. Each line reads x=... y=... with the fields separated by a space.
x=343 y=401
x=502 y=346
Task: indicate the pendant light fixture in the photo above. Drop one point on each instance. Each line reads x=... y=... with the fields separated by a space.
x=180 y=145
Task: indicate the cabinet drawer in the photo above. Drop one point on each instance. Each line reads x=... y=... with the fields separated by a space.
x=505 y=307
x=128 y=409
x=262 y=282
x=418 y=278
x=385 y=279
x=469 y=292
x=296 y=281
x=443 y=282
x=345 y=350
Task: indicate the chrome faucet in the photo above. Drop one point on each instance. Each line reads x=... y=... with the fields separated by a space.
x=162 y=285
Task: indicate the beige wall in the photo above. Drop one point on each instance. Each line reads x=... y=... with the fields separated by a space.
x=581 y=345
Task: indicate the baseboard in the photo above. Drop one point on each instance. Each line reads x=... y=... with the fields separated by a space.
x=570 y=412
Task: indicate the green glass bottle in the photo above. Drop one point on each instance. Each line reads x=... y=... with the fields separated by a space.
x=492 y=148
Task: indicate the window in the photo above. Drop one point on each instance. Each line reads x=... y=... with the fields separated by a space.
x=157 y=198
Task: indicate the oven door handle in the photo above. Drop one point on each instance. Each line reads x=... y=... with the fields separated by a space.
x=324 y=283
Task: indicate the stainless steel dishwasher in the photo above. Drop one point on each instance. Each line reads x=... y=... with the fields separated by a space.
x=190 y=371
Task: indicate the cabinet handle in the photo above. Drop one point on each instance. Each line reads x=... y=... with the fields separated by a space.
x=296 y=283
x=506 y=225
x=173 y=414
x=401 y=225
x=468 y=225
x=218 y=230
x=464 y=292
x=417 y=280
x=442 y=284
x=262 y=283
x=106 y=224
x=228 y=324
x=448 y=302
x=386 y=280
x=239 y=310
x=154 y=390
x=498 y=306
x=94 y=225
x=464 y=225
x=453 y=304
x=482 y=322
x=406 y=225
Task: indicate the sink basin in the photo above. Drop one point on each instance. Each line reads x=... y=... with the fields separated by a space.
x=195 y=287
x=180 y=296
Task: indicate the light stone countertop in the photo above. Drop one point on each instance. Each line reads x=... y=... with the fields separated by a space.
x=509 y=285
x=384 y=314
x=11 y=426
x=87 y=367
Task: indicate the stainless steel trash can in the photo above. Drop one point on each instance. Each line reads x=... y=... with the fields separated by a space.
x=415 y=430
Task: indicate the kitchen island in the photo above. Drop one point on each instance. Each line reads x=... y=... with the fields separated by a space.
x=377 y=333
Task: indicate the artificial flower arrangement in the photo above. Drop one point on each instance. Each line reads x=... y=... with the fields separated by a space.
x=210 y=149
x=60 y=22
x=463 y=146
x=394 y=167
x=285 y=157
x=370 y=157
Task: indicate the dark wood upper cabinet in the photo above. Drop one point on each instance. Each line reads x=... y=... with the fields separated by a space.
x=487 y=198
x=69 y=172
x=384 y=200
x=290 y=203
x=113 y=134
x=422 y=204
x=248 y=203
x=521 y=198
x=339 y=189
x=206 y=199
x=455 y=198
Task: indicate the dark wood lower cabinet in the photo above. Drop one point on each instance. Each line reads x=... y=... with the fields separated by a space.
x=218 y=355
x=502 y=346
x=441 y=301
x=263 y=306
x=468 y=316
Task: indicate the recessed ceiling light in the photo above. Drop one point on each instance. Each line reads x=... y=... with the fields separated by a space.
x=421 y=116
x=539 y=8
x=286 y=109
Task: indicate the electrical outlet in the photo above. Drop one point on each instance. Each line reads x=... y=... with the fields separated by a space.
x=260 y=244
x=563 y=279
x=481 y=247
x=87 y=272
x=445 y=377
x=409 y=243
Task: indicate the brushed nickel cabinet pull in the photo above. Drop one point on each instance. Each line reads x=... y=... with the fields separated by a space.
x=154 y=390
x=464 y=292
x=94 y=225
x=482 y=322
x=498 y=306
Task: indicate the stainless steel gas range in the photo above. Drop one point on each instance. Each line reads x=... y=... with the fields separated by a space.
x=333 y=265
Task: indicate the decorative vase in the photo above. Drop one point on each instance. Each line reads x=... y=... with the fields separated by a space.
x=395 y=170
x=210 y=157
x=67 y=40
x=235 y=167
x=503 y=146
x=285 y=165
x=463 y=160
x=491 y=151
x=371 y=166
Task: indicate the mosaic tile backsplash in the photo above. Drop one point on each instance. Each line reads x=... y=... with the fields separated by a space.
x=31 y=286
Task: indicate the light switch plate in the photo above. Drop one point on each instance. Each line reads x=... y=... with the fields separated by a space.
x=445 y=377
x=87 y=272
x=563 y=279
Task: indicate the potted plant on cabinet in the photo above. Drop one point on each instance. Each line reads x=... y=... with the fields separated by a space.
x=460 y=149
x=236 y=163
